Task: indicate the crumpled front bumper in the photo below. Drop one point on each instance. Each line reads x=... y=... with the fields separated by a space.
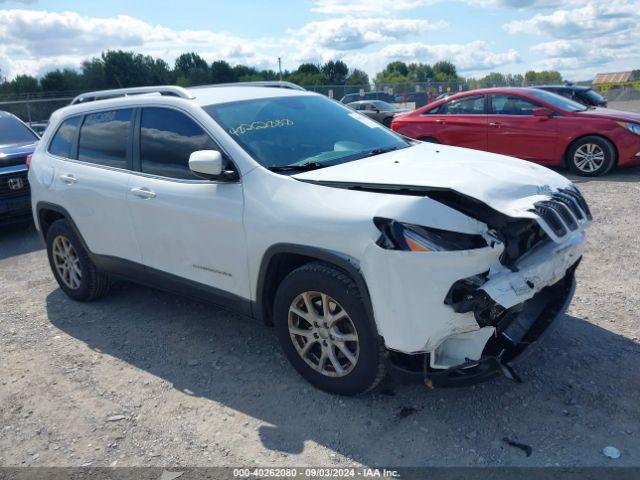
x=410 y=294
x=536 y=319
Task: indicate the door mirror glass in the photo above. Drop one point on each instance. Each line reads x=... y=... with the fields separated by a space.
x=542 y=112
x=206 y=164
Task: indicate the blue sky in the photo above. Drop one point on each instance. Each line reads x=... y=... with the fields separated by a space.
x=577 y=37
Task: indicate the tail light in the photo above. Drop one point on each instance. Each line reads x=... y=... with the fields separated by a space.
x=28 y=161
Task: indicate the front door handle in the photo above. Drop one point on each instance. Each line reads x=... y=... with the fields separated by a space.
x=68 y=178
x=143 y=192
x=495 y=124
x=441 y=122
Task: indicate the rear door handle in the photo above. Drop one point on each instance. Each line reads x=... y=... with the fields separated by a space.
x=440 y=121
x=495 y=124
x=68 y=178
x=143 y=192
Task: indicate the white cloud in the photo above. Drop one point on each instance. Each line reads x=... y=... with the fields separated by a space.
x=34 y=41
x=594 y=19
x=526 y=4
x=470 y=58
x=356 y=33
x=366 y=7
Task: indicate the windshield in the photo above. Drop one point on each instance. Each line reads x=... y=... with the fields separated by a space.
x=300 y=131
x=558 y=101
x=594 y=96
x=13 y=131
x=380 y=105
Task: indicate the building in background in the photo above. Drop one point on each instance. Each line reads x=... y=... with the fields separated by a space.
x=606 y=81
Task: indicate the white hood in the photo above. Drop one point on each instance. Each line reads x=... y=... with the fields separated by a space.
x=506 y=184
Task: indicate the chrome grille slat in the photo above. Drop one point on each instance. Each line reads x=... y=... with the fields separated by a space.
x=563 y=212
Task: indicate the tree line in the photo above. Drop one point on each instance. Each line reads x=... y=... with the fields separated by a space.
x=120 y=69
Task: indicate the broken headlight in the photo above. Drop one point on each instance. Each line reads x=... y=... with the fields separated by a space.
x=415 y=238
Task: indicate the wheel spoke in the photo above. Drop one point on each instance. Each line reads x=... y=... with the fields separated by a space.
x=301 y=332
x=345 y=337
x=346 y=352
x=309 y=304
x=334 y=360
x=301 y=314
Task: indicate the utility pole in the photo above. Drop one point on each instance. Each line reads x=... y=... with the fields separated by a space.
x=280 y=67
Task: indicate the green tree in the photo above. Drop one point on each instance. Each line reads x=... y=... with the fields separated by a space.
x=191 y=69
x=221 y=72
x=62 y=80
x=358 y=77
x=336 y=72
x=93 y=75
x=23 y=84
x=444 y=71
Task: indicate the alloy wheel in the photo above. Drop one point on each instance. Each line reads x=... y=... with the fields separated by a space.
x=67 y=262
x=323 y=334
x=589 y=157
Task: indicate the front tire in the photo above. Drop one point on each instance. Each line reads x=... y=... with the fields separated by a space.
x=591 y=156
x=76 y=274
x=325 y=331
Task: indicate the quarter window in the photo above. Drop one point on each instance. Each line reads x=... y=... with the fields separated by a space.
x=512 y=105
x=463 y=106
x=104 y=137
x=63 y=140
x=167 y=139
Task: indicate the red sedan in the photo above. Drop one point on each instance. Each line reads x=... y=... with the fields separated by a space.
x=530 y=124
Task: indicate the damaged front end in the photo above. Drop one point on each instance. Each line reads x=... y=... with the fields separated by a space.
x=518 y=278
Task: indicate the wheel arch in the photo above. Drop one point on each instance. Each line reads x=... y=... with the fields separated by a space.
x=281 y=259
x=565 y=155
x=47 y=213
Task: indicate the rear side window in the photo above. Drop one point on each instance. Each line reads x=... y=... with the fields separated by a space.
x=62 y=143
x=167 y=139
x=463 y=106
x=104 y=137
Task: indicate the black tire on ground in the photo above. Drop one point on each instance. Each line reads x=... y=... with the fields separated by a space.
x=93 y=283
x=387 y=122
x=603 y=144
x=429 y=140
x=323 y=278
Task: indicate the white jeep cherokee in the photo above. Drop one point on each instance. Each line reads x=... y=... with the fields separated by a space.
x=368 y=252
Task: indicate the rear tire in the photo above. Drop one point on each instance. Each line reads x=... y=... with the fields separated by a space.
x=74 y=271
x=591 y=156
x=341 y=352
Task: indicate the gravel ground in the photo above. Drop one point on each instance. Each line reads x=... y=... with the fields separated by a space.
x=147 y=378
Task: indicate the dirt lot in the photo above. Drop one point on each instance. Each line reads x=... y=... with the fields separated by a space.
x=146 y=378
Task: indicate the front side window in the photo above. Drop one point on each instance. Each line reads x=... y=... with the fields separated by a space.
x=302 y=131
x=511 y=105
x=104 y=137
x=13 y=131
x=167 y=139
x=62 y=143
x=463 y=106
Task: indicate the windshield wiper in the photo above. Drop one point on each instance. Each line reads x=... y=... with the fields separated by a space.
x=301 y=168
x=379 y=151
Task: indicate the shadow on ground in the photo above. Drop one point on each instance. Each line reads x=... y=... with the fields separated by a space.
x=577 y=396
x=18 y=239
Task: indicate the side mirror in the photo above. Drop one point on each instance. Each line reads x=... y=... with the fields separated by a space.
x=206 y=164
x=542 y=112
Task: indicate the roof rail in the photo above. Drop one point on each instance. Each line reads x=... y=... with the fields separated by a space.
x=267 y=83
x=124 y=92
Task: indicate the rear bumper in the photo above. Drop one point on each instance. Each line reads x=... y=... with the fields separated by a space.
x=516 y=336
x=15 y=209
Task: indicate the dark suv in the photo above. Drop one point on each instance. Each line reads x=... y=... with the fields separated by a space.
x=581 y=94
x=17 y=142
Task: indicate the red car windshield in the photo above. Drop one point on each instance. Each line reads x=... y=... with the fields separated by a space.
x=558 y=101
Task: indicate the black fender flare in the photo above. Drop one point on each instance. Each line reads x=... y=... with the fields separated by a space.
x=340 y=260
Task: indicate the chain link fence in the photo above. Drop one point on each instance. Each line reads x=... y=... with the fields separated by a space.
x=38 y=107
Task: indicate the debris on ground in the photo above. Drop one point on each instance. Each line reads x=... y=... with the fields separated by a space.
x=611 y=452
x=522 y=446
